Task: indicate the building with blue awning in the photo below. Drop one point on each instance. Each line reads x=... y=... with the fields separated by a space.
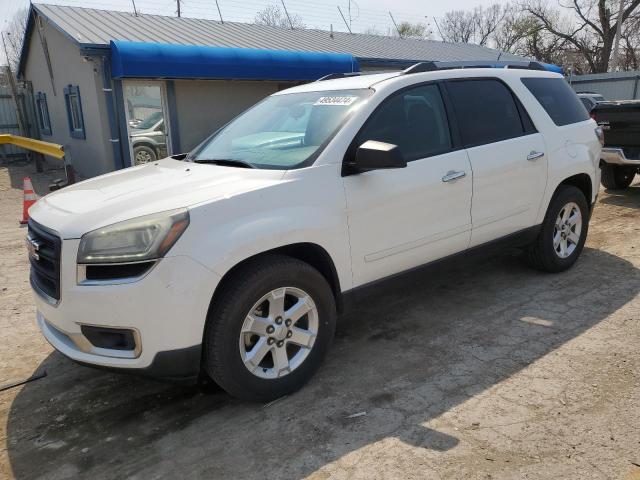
x=118 y=88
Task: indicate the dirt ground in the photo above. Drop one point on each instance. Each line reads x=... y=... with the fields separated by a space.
x=484 y=370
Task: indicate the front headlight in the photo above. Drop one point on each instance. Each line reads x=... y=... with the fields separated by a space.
x=140 y=239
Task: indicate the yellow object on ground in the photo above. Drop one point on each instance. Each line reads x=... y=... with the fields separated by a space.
x=45 y=148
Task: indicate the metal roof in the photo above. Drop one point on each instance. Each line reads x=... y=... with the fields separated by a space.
x=608 y=76
x=93 y=28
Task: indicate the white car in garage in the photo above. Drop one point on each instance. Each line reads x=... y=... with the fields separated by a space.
x=234 y=261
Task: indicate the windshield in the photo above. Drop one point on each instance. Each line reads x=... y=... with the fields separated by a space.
x=283 y=131
x=149 y=122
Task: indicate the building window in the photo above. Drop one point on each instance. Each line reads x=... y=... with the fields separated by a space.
x=42 y=111
x=74 y=111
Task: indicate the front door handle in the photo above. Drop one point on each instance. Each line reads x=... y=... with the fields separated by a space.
x=453 y=175
x=533 y=155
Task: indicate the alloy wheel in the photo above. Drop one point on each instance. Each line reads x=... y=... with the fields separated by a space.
x=567 y=230
x=142 y=156
x=278 y=333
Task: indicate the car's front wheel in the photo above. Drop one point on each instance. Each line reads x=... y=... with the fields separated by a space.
x=143 y=154
x=269 y=328
x=563 y=232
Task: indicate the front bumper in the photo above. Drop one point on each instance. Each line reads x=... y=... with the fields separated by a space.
x=181 y=365
x=166 y=310
x=616 y=156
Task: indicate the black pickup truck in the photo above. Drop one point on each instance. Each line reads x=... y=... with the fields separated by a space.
x=620 y=121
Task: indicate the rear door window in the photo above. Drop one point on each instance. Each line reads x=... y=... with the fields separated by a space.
x=486 y=111
x=558 y=99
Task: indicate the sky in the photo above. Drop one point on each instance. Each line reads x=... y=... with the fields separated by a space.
x=364 y=13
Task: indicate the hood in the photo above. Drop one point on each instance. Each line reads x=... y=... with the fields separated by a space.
x=143 y=190
x=143 y=133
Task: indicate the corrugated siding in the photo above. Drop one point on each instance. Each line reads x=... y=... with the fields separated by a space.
x=97 y=27
x=612 y=86
x=8 y=119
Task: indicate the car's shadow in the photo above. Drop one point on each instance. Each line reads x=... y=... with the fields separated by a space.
x=404 y=358
x=629 y=197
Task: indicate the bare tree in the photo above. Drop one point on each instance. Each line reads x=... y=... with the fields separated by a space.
x=458 y=26
x=14 y=36
x=412 y=30
x=487 y=21
x=274 y=16
x=630 y=44
x=588 y=27
x=512 y=30
x=475 y=26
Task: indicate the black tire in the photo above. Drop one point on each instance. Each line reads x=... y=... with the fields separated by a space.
x=222 y=359
x=616 y=177
x=141 y=151
x=541 y=253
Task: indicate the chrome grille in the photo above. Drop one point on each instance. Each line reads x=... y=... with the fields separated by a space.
x=44 y=255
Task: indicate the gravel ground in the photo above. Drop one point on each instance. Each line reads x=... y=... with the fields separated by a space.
x=483 y=370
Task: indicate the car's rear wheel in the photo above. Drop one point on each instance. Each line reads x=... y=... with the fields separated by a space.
x=617 y=177
x=563 y=232
x=269 y=328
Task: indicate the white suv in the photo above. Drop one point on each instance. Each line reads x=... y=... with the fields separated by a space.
x=232 y=262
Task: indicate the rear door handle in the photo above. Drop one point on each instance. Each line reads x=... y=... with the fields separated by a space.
x=453 y=175
x=533 y=155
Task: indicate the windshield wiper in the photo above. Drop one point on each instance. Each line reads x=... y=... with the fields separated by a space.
x=226 y=162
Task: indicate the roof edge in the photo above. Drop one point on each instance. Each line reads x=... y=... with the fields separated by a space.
x=24 y=51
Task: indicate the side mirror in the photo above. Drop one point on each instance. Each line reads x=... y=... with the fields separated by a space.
x=372 y=155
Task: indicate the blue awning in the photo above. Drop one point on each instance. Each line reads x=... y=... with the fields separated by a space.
x=159 y=60
x=553 y=68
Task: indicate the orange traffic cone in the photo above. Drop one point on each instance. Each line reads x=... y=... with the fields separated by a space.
x=30 y=198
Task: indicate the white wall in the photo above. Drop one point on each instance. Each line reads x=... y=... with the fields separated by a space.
x=203 y=106
x=93 y=155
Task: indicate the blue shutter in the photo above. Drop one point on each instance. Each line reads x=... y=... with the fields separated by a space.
x=42 y=110
x=76 y=131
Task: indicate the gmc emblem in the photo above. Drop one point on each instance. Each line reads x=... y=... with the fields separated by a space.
x=33 y=246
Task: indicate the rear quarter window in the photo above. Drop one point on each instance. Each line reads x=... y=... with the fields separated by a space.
x=558 y=100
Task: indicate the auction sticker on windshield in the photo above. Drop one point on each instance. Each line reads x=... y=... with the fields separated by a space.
x=335 y=101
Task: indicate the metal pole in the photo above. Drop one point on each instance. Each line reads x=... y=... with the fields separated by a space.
x=616 y=45
x=395 y=25
x=69 y=171
x=135 y=11
x=178 y=3
x=3 y=151
x=219 y=12
x=14 y=95
x=43 y=41
x=344 y=20
x=287 y=14
x=438 y=27
x=32 y=120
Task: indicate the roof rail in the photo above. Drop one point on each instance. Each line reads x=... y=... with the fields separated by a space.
x=332 y=76
x=432 y=66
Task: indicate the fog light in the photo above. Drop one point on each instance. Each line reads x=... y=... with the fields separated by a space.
x=109 y=338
